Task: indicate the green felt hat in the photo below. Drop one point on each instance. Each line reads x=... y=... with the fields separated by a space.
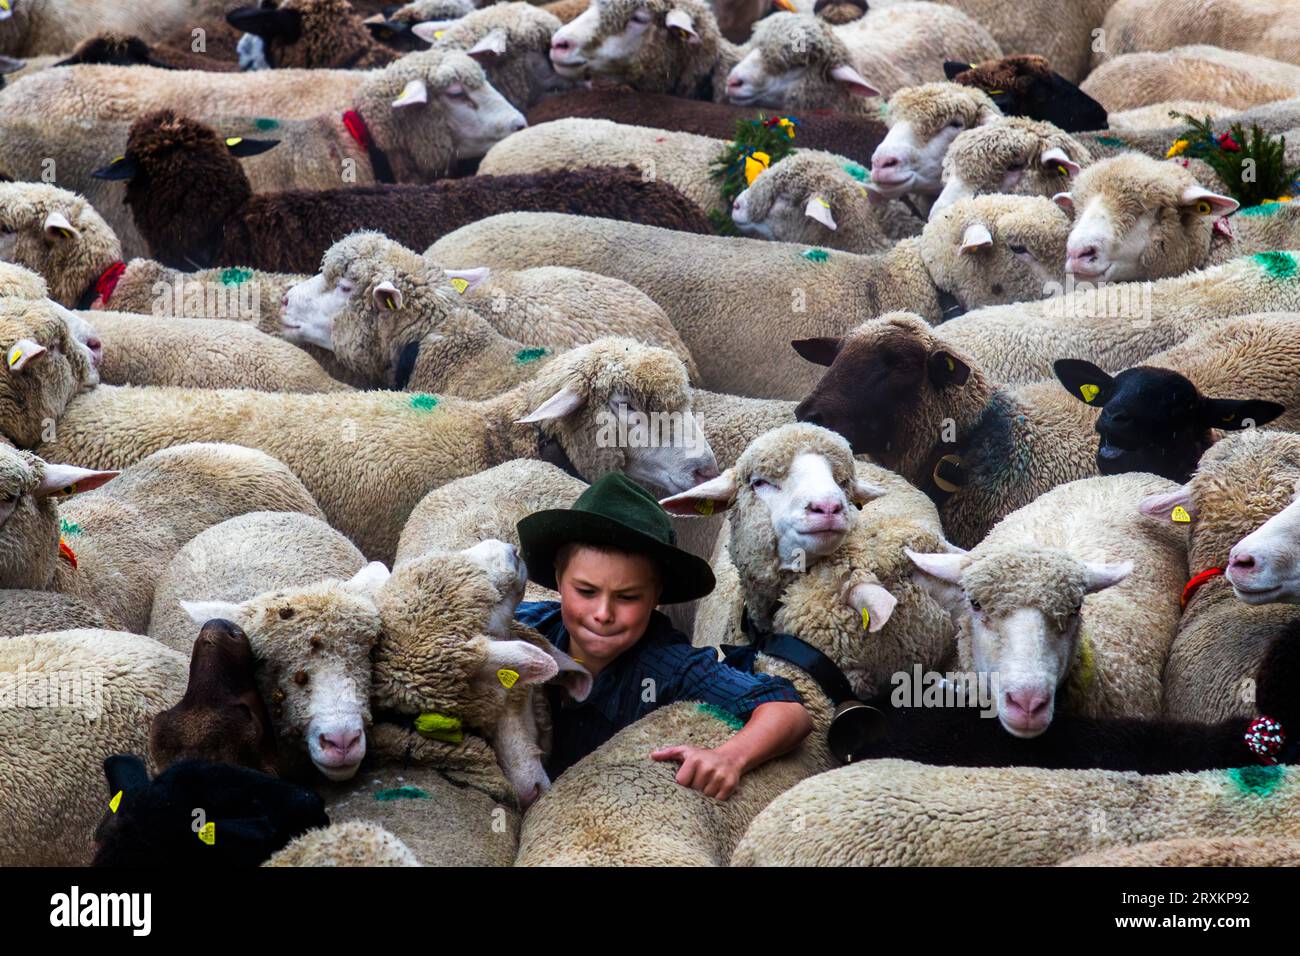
x=615 y=512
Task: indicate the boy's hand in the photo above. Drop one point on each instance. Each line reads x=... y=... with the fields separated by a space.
x=715 y=773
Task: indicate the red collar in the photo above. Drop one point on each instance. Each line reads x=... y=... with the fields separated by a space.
x=67 y=553
x=1195 y=583
x=104 y=286
x=356 y=126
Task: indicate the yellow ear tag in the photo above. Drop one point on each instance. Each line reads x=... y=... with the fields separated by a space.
x=507 y=677
x=460 y=285
x=995 y=92
x=67 y=491
x=390 y=302
x=233 y=141
x=209 y=833
x=1203 y=207
x=952 y=366
x=438 y=34
x=15 y=356
x=822 y=202
x=1062 y=170
x=704 y=507
x=1180 y=515
x=866 y=618
x=1089 y=392
x=115 y=802
x=117 y=160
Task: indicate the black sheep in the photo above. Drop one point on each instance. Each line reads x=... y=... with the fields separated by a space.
x=195 y=208
x=1154 y=419
x=960 y=737
x=853 y=137
x=252 y=815
x=1026 y=85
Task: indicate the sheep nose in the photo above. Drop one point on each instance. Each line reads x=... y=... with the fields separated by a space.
x=805 y=412
x=517 y=124
x=561 y=44
x=884 y=162
x=1241 y=561
x=344 y=742
x=707 y=473
x=827 y=506
x=734 y=83
x=1029 y=701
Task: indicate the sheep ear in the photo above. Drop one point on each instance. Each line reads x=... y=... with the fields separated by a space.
x=874 y=603
x=463 y=280
x=1207 y=203
x=1085 y=381
x=125 y=773
x=510 y=662
x=1174 y=505
x=243 y=148
x=201 y=612
x=24 y=352
x=1235 y=414
x=563 y=402
x=939 y=575
x=854 y=80
x=58 y=227
x=387 y=296
x=67 y=480
x=976 y=236
x=702 y=501
x=431 y=30
x=267 y=22
x=946 y=369
x=10 y=64
x=819 y=210
x=413 y=94
x=572 y=676
x=382 y=29
x=680 y=23
x=489 y=48
x=953 y=67
x=369 y=579
x=819 y=351
x=860 y=492
x=1056 y=157
x=1064 y=201
x=122 y=168
x=1101 y=576
x=944 y=567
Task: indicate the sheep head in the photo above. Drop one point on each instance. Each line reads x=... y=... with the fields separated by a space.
x=797 y=61
x=44 y=367
x=805 y=198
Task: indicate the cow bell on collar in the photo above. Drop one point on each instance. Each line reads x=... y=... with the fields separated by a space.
x=855 y=726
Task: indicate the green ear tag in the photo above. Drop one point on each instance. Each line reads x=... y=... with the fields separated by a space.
x=1089 y=392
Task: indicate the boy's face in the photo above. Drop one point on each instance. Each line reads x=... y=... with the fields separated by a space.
x=605 y=603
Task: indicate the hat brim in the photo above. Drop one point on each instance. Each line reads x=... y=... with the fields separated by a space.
x=541 y=534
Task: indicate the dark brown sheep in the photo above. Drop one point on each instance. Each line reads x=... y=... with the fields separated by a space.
x=193 y=204
x=120 y=49
x=852 y=137
x=222 y=717
x=313 y=34
x=1025 y=85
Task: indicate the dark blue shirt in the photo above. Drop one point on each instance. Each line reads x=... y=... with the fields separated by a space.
x=659 y=669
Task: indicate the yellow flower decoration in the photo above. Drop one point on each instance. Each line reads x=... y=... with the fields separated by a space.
x=1176 y=149
x=755 y=163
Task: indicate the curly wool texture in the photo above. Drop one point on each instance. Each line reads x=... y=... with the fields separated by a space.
x=345 y=844
x=1014 y=74
x=40 y=393
x=1242 y=481
x=1250 y=26
x=892 y=48
x=127 y=532
x=808 y=174
x=1018 y=344
x=34 y=612
x=527 y=30
x=141 y=350
x=332 y=35
x=53 y=755
x=1197 y=851
x=893 y=812
x=69 y=264
x=665 y=63
x=1002 y=581
x=981 y=157
x=929 y=107
x=20 y=283
x=853 y=137
x=56 y=26
x=1231 y=77
x=30 y=534
x=821 y=294
x=404 y=445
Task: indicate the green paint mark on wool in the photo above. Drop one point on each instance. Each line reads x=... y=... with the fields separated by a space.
x=424 y=403
x=1280 y=265
x=857 y=172
x=816 y=255
x=69 y=527
x=1108 y=141
x=1260 y=781
x=235 y=276
x=524 y=356
x=1268 y=210
x=713 y=710
x=265 y=124
x=402 y=793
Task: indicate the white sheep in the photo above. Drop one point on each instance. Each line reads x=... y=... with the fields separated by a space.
x=56 y=26
x=345 y=844
x=1196 y=72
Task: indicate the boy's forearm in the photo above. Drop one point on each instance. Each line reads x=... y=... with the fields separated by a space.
x=773 y=728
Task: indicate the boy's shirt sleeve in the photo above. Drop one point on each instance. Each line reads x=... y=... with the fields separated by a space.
x=695 y=673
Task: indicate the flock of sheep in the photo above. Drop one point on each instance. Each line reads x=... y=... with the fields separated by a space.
x=304 y=305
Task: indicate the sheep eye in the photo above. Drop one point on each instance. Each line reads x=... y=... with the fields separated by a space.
x=1017 y=249
x=1015 y=167
x=758 y=483
x=345 y=286
x=974 y=604
x=457 y=92
x=641 y=16
x=957 y=124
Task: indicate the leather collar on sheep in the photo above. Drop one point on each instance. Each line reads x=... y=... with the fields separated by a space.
x=949 y=306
